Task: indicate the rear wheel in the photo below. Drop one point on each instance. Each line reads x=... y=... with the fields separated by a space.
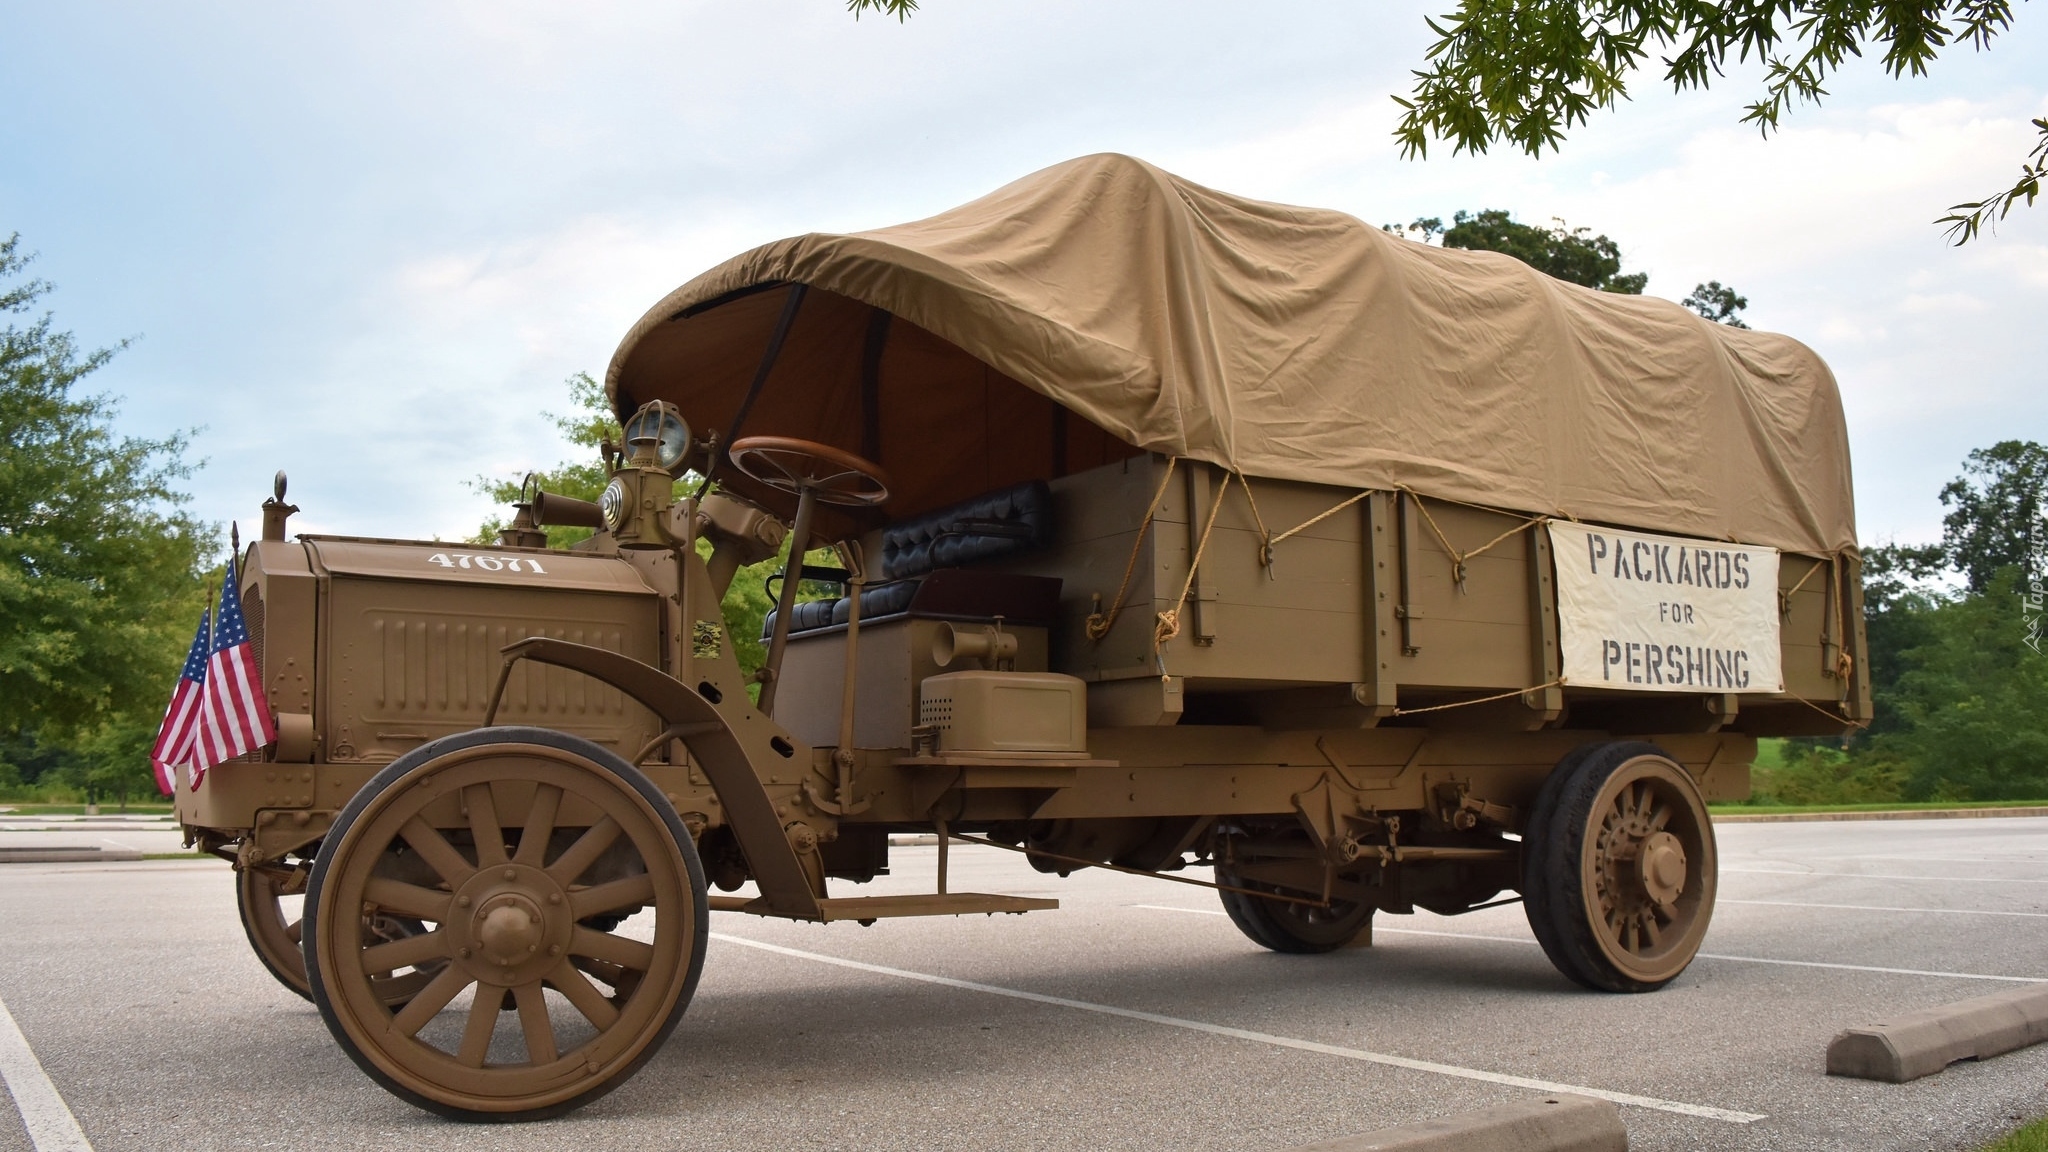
x=1618 y=867
x=270 y=899
x=1284 y=926
x=530 y=856
x=273 y=928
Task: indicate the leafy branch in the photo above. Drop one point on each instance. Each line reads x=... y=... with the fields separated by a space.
x=1964 y=220
x=1524 y=72
x=901 y=9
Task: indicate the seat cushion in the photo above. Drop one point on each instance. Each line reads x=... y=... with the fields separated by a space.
x=881 y=600
x=1005 y=522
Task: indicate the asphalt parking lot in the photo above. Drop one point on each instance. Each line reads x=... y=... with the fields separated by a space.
x=1135 y=1016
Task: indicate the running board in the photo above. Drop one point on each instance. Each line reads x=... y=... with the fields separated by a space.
x=870 y=908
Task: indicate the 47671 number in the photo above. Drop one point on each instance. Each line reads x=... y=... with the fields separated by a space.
x=487 y=563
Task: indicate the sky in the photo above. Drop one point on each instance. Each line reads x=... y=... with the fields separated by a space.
x=368 y=243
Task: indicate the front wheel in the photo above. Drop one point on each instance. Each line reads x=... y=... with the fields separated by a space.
x=529 y=854
x=1618 y=867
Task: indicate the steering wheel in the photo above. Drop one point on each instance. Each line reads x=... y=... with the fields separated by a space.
x=787 y=464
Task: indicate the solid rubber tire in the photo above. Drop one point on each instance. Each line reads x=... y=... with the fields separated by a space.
x=398 y=770
x=1553 y=892
x=1265 y=925
x=291 y=975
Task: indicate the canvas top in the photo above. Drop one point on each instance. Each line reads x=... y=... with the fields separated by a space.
x=1103 y=307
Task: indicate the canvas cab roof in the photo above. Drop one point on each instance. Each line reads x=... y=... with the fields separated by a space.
x=1102 y=307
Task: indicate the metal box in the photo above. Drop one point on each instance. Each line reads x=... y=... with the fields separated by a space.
x=1006 y=712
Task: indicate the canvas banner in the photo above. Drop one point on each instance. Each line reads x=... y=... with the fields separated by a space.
x=1665 y=614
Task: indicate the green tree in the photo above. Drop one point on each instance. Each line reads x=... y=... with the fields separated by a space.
x=1974 y=699
x=1959 y=685
x=1998 y=513
x=1566 y=253
x=1720 y=304
x=1524 y=72
x=1570 y=254
x=101 y=566
x=1900 y=595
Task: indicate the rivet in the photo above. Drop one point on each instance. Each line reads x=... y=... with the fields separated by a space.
x=462 y=953
x=554 y=897
x=533 y=947
x=554 y=949
x=533 y=916
x=511 y=874
x=462 y=901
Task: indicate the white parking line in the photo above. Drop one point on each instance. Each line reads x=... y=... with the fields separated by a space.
x=1680 y=1107
x=1702 y=955
x=2031 y=858
x=51 y=1126
x=1882 y=876
x=1882 y=908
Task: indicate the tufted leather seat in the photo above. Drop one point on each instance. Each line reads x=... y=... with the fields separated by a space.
x=1007 y=522
x=1001 y=523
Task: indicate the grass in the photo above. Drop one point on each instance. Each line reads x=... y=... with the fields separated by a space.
x=2031 y=1138
x=1892 y=806
x=31 y=808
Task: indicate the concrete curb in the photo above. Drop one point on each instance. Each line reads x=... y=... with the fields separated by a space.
x=62 y=854
x=1925 y=1042
x=1894 y=814
x=1550 y=1124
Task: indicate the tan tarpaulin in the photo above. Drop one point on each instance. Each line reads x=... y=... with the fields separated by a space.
x=1292 y=343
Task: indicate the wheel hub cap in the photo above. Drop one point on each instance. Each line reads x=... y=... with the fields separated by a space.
x=1660 y=865
x=518 y=924
x=509 y=930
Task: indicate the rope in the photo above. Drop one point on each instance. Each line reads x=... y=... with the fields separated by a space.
x=1099 y=623
x=1559 y=683
x=1169 y=620
x=1837 y=717
x=1458 y=558
x=1266 y=540
x=1844 y=663
x=1785 y=597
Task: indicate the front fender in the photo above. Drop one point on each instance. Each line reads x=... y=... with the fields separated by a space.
x=728 y=739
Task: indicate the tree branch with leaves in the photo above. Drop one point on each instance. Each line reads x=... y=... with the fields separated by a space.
x=1524 y=72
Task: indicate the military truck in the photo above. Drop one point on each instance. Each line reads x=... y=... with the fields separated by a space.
x=1177 y=533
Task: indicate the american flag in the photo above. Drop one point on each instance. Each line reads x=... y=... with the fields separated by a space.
x=234 y=714
x=181 y=720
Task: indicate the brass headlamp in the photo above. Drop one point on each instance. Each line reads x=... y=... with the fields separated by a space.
x=635 y=505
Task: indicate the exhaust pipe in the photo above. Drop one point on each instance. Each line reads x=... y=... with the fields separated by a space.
x=557 y=511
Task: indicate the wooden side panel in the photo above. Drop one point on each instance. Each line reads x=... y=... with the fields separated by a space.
x=1476 y=634
x=1096 y=515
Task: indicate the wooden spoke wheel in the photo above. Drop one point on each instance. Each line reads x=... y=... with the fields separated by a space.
x=1288 y=927
x=1618 y=867
x=557 y=887
x=265 y=896
x=272 y=928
